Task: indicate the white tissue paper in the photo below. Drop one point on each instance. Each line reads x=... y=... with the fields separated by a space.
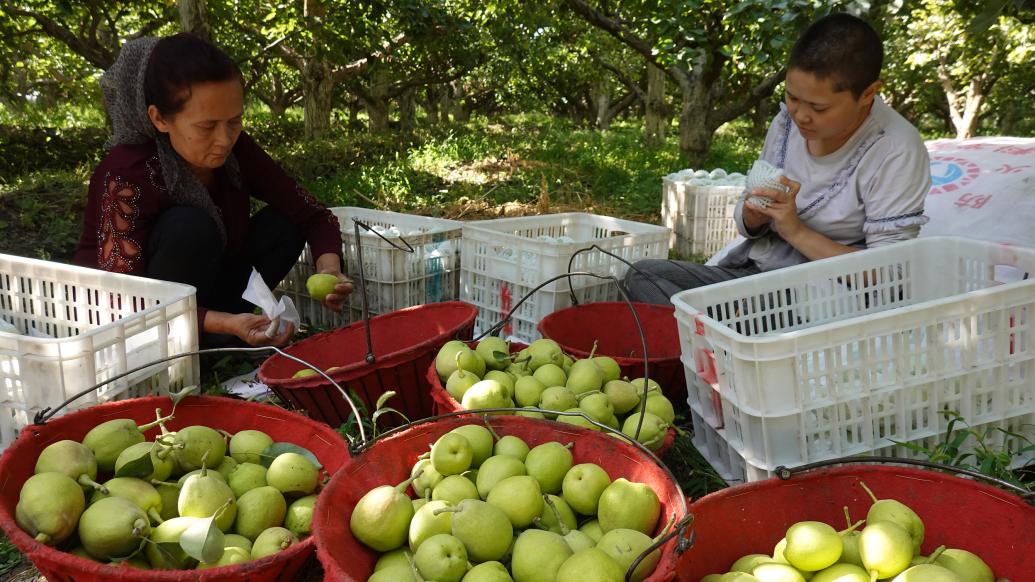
x=259 y=294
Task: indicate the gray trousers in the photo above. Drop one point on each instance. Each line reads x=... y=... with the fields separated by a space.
x=657 y=280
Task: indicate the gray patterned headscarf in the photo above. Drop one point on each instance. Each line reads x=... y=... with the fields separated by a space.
x=123 y=87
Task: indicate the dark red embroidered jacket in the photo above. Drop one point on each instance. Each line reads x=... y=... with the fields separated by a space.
x=127 y=194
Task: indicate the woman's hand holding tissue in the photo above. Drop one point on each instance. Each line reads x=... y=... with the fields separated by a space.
x=330 y=264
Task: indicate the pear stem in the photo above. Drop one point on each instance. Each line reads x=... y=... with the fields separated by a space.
x=560 y=522
x=160 y=420
x=495 y=436
x=42 y=538
x=402 y=486
x=668 y=527
x=934 y=555
x=873 y=576
x=138 y=527
x=222 y=508
x=86 y=481
x=450 y=509
x=570 y=445
x=852 y=527
x=155 y=516
x=593 y=351
x=848 y=517
x=870 y=493
x=457 y=358
x=167 y=483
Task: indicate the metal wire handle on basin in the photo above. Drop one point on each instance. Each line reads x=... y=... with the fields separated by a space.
x=370 y=358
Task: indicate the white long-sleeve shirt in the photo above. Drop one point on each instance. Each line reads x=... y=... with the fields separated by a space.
x=868 y=193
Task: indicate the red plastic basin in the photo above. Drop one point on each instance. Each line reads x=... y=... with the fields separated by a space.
x=612 y=326
x=389 y=461
x=960 y=513
x=405 y=342
x=19 y=460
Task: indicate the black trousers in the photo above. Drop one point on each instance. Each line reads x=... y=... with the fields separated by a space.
x=184 y=248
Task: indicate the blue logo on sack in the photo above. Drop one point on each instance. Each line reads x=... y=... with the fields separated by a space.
x=943 y=173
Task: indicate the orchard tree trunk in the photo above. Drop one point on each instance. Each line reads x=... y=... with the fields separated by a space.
x=317 y=88
x=600 y=98
x=408 y=109
x=655 y=117
x=194 y=18
x=763 y=113
x=431 y=104
x=695 y=135
x=377 y=103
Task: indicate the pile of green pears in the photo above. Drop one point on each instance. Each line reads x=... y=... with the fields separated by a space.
x=193 y=498
x=542 y=376
x=887 y=548
x=493 y=509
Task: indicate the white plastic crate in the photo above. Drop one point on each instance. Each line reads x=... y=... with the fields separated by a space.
x=701 y=217
x=395 y=278
x=811 y=364
x=503 y=259
x=100 y=325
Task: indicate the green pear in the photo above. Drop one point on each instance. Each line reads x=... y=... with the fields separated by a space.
x=488 y=572
x=260 y=509
x=170 y=494
x=928 y=573
x=72 y=459
x=512 y=446
x=661 y=406
x=623 y=396
x=557 y=398
x=426 y=523
x=592 y=565
x=597 y=405
x=447 y=359
x=496 y=469
x=245 y=477
x=49 y=507
x=271 y=541
x=897 y=513
x=625 y=545
x=611 y=369
x=776 y=572
x=320 y=285
x=850 y=551
x=538 y=556
x=425 y=477
x=109 y=439
x=548 y=463
x=394 y=574
x=113 y=528
x=653 y=430
x=140 y=492
x=734 y=577
x=586 y=376
x=505 y=380
x=196 y=445
x=480 y=439
x=544 y=351
x=246 y=446
x=451 y=454
x=582 y=419
x=486 y=394
x=231 y=556
x=567 y=363
x=238 y=541
x=885 y=548
x=968 y=566
x=747 y=563
x=393 y=559
x=811 y=546
x=625 y=504
x=495 y=351
x=652 y=386
x=381 y=518
x=226 y=467
x=528 y=390
x=533 y=413
x=459 y=382
x=592 y=529
x=299 y=517
x=550 y=375
x=484 y=529
x=841 y=572
x=582 y=486
x=204 y=495
x=442 y=558
x=454 y=489
x=293 y=474
x=519 y=497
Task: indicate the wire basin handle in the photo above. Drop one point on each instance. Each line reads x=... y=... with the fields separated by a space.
x=357 y=224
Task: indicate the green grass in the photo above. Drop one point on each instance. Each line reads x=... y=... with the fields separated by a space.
x=10 y=558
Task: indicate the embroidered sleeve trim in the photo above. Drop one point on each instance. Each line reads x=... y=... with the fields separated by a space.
x=311 y=201
x=117 y=250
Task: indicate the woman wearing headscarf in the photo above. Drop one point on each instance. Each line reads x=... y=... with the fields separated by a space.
x=172 y=199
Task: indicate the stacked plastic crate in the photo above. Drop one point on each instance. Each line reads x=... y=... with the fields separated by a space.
x=698 y=207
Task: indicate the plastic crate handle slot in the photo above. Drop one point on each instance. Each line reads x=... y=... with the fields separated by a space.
x=784 y=472
x=47 y=413
x=357 y=223
x=636 y=319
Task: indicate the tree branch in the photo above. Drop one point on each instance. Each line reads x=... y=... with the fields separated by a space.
x=93 y=54
x=358 y=66
x=620 y=75
x=762 y=90
x=279 y=47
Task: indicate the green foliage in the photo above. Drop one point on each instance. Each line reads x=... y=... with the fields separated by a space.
x=10 y=558
x=991 y=452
